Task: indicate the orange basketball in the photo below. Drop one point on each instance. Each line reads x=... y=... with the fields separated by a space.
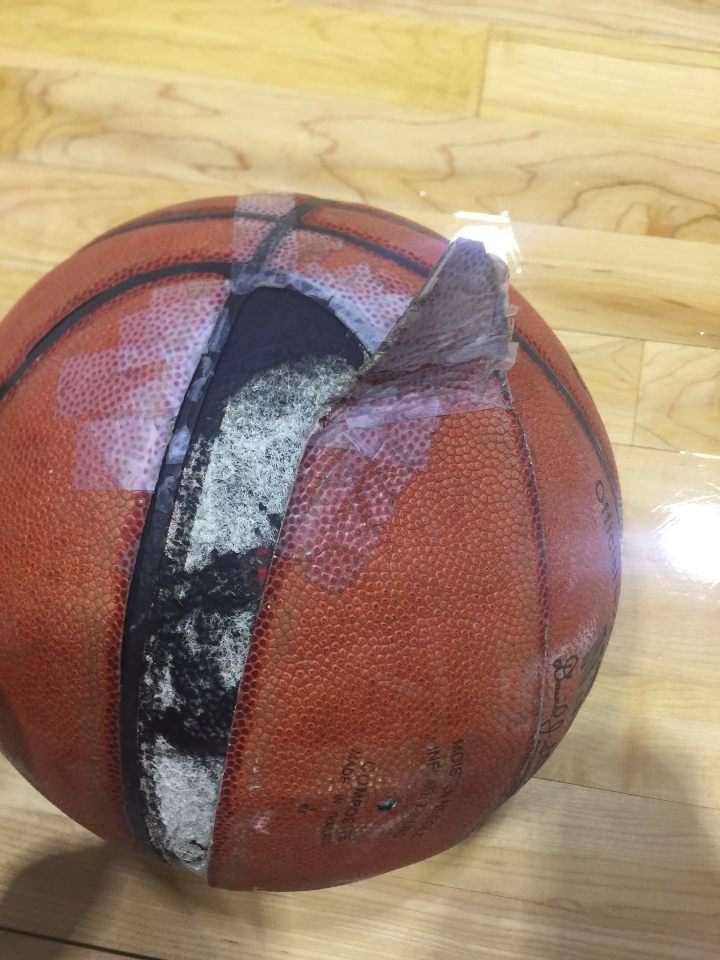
x=310 y=547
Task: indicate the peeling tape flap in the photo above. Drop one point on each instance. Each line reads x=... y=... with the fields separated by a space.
x=442 y=357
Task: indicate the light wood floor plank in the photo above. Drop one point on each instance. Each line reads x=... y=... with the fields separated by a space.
x=663 y=21
x=182 y=127
x=643 y=287
x=396 y=59
x=15 y=279
x=616 y=84
x=20 y=946
x=561 y=872
x=679 y=401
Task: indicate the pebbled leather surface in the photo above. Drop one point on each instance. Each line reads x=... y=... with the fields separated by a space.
x=82 y=434
x=419 y=682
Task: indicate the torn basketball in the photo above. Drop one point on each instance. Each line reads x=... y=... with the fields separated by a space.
x=310 y=539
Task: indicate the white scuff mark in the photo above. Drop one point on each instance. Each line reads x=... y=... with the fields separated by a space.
x=165 y=692
x=260 y=822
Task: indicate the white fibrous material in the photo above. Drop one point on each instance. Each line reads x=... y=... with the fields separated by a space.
x=185 y=789
x=233 y=633
x=242 y=481
x=255 y=456
x=227 y=635
x=186 y=786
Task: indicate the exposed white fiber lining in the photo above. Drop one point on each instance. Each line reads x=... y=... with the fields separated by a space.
x=252 y=461
x=256 y=454
x=186 y=791
x=184 y=786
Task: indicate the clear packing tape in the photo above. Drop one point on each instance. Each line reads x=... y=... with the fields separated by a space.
x=443 y=356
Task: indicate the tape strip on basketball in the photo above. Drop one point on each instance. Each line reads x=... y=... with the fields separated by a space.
x=443 y=357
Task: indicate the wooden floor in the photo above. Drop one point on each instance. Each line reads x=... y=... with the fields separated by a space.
x=580 y=140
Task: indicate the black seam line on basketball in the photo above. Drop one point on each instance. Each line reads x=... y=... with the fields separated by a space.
x=220 y=267
x=180 y=218
x=543 y=577
x=372 y=247
x=194 y=215
x=384 y=215
x=579 y=415
x=153 y=563
x=108 y=951
x=141 y=595
x=292 y=220
x=283 y=224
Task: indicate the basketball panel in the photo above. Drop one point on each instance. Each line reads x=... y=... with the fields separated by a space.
x=582 y=541
x=96 y=268
x=83 y=434
x=377 y=723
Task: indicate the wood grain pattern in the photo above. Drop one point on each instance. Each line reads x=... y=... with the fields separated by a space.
x=617 y=84
x=578 y=140
x=679 y=402
x=693 y=24
x=21 y=946
x=619 y=285
x=373 y=152
x=303 y=47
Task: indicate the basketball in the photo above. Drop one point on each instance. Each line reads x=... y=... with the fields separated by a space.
x=310 y=539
